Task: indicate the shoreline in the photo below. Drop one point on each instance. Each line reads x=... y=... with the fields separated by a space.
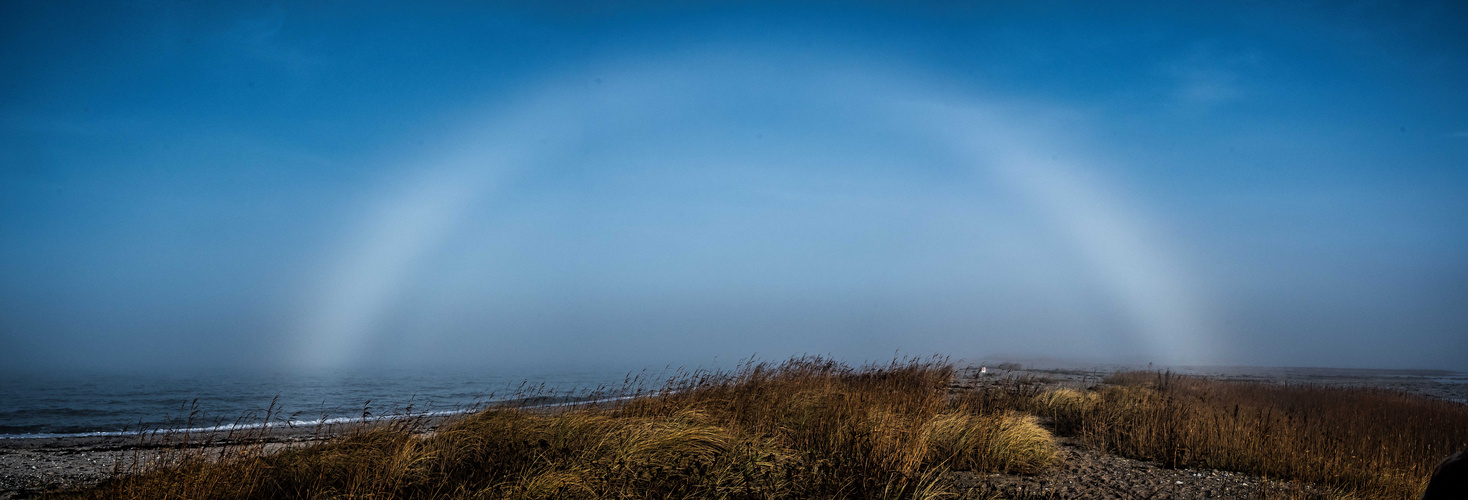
x=30 y=466
x=38 y=464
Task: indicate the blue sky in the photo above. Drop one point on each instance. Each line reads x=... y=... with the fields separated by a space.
x=310 y=186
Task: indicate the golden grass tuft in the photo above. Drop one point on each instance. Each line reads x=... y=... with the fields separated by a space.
x=1008 y=442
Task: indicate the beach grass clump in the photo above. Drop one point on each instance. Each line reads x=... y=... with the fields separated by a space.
x=1354 y=441
x=806 y=428
x=1008 y=442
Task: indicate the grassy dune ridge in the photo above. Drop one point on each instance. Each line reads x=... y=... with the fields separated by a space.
x=807 y=428
x=815 y=428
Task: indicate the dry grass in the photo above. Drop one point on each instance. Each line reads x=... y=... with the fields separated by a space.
x=812 y=428
x=1351 y=442
x=807 y=428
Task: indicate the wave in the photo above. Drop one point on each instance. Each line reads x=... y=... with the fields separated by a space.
x=5 y=433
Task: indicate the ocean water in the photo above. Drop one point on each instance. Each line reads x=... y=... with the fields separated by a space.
x=52 y=405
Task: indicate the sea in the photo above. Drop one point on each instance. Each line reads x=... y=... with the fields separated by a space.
x=52 y=405
x=33 y=405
